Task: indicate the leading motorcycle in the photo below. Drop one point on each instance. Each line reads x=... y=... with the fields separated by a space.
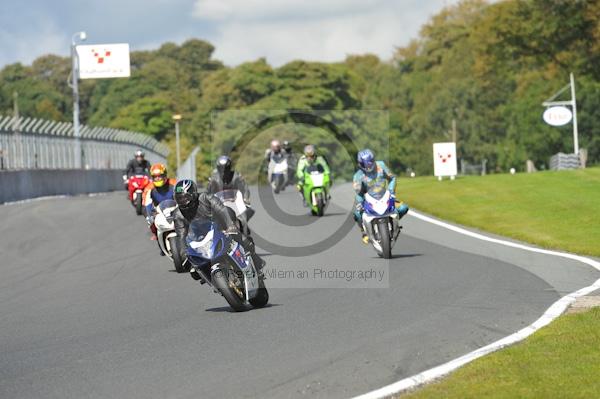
x=380 y=221
x=224 y=264
x=166 y=236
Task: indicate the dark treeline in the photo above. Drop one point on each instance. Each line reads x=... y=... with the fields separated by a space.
x=488 y=66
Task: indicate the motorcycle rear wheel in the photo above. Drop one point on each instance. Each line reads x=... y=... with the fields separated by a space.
x=262 y=297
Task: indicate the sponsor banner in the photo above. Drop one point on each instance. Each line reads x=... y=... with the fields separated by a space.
x=98 y=61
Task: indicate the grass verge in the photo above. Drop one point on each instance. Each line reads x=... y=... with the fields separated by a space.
x=561 y=360
x=559 y=210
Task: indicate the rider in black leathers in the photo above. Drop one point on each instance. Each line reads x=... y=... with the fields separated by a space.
x=193 y=205
x=225 y=178
x=138 y=165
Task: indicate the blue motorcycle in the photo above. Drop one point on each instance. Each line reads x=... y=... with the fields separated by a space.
x=224 y=264
x=380 y=221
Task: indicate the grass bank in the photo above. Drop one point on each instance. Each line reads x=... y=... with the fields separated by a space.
x=558 y=210
x=561 y=360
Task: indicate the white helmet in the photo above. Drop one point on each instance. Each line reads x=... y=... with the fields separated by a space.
x=275 y=146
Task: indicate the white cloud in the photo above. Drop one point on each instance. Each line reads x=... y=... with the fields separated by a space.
x=247 y=10
x=28 y=45
x=285 y=30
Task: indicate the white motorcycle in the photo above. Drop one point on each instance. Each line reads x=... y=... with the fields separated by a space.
x=381 y=222
x=234 y=200
x=278 y=174
x=165 y=231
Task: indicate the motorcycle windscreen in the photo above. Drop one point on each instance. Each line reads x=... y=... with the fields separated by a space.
x=280 y=167
x=226 y=195
x=378 y=206
x=232 y=199
x=167 y=205
x=315 y=167
x=377 y=189
x=200 y=239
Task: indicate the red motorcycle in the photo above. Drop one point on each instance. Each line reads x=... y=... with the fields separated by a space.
x=136 y=185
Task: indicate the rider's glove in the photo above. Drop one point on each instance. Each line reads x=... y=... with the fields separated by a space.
x=359 y=207
x=234 y=233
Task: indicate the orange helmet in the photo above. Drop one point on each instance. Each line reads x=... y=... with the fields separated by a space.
x=158 y=171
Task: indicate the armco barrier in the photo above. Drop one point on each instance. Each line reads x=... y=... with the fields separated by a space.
x=25 y=184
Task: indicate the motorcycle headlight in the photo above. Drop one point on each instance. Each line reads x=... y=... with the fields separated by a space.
x=204 y=247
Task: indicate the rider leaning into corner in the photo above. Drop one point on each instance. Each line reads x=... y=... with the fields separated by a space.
x=137 y=166
x=310 y=157
x=160 y=188
x=371 y=174
x=224 y=177
x=194 y=205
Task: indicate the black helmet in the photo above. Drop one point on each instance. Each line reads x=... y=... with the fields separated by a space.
x=287 y=146
x=139 y=154
x=225 y=168
x=186 y=194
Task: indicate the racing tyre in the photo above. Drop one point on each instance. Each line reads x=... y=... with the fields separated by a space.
x=221 y=282
x=138 y=204
x=320 y=205
x=181 y=266
x=385 y=239
x=262 y=297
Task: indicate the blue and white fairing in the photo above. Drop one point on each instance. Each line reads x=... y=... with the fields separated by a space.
x=205 y=242
x=379 y=205
x=207 y=245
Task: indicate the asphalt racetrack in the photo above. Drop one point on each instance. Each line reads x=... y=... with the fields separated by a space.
x=89 y=310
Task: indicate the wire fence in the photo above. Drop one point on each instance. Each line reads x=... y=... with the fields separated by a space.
x=32 y=143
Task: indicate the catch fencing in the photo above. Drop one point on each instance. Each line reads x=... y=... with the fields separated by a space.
x=32 y=143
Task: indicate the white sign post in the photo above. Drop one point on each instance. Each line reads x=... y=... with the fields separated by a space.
x=99 y=61
x=444 y=160
x=94 y=62
x=558 y=114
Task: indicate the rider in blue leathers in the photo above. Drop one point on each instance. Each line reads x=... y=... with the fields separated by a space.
x=370 y=176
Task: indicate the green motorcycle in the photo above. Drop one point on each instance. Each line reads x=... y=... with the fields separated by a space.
x=316 y=189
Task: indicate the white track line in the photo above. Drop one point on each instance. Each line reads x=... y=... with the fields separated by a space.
x=552 y=313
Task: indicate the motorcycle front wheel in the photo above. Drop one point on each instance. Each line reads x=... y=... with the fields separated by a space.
x=138 y=204
x=178 y=262
x=385 y=239
x=221 y=281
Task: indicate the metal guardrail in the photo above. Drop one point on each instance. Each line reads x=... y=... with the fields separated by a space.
x=188 y=168
x=32 y=143
x=562 y=161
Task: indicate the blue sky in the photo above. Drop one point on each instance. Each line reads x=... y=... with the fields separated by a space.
x=241 y=30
